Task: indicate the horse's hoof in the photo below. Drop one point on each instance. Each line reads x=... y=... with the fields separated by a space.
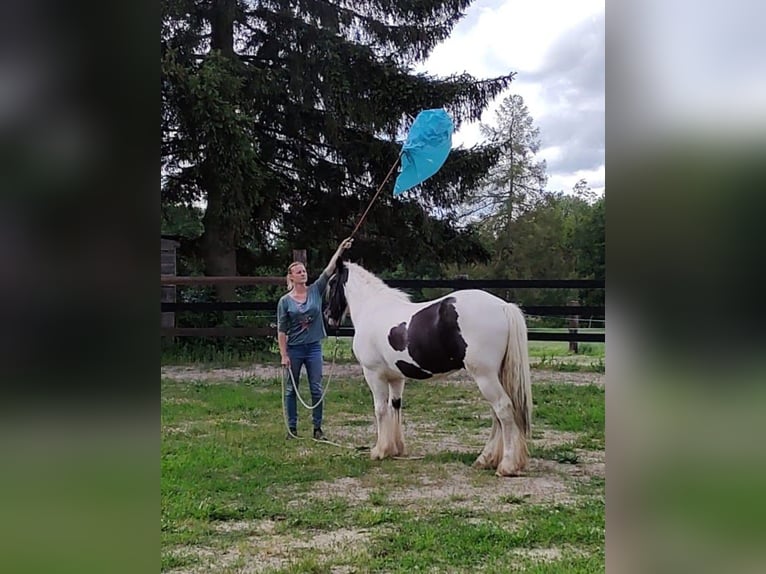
x=508 y=474
x=508 y=470
x=482 y=463
x=375 y=454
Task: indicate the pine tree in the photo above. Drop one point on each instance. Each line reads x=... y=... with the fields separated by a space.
x=282 y=117
x=517 y=182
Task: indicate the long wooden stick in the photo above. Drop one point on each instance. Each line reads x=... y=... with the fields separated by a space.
x=377 y=193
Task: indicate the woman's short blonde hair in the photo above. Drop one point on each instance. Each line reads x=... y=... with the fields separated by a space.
x=289 y=281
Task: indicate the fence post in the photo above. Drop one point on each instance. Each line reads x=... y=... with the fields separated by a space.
x=574 y=323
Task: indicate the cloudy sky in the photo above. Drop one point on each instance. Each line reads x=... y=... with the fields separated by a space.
x=556 y=47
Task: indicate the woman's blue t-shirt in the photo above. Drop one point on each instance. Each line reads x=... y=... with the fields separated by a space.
x=302 y=322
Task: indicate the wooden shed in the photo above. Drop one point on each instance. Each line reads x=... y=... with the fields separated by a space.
x=168 y=246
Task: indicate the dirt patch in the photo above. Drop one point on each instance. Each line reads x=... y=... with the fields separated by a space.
x=263 y=549
x=355 y=490
x=458 y=486
x=548 y=438
x=352 y=435
x=420 y=437
x=592 y=462
x=539 y=554
x=188 y=427
x=427 y=437
x=579 y=470
x=203 y=426
x=352 y=370
x=462 y=490
x=183 y=401
x=236 y=374
x=574 y=378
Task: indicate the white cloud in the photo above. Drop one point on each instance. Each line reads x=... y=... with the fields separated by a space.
x=510 y=34
x=566 y=181
x=556 y=47
x=697 y=65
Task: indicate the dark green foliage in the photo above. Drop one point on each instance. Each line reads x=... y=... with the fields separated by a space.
x=182 y=221
x=283 y=117
x=588 y=240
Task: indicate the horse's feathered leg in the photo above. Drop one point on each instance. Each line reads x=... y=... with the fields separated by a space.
x=512 y=461
x=386 y=444
x=492 y=454
x=397 y=388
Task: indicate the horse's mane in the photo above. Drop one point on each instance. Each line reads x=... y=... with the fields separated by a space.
x=374 y=283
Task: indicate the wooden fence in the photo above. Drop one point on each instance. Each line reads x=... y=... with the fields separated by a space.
x=575 y=312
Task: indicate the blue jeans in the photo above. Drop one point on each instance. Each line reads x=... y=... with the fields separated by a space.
x=310 y=355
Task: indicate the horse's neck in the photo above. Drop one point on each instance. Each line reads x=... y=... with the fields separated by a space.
x=365 y=295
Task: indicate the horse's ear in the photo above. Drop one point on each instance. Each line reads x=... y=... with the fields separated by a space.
x=339 y=264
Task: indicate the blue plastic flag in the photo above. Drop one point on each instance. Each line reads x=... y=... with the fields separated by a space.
x=427 y=147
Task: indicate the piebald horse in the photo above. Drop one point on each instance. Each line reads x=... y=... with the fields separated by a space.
x=470 y=329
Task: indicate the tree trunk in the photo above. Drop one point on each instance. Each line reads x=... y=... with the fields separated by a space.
x=219 y=249
x=222 y=26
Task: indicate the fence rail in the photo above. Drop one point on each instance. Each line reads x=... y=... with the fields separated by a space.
x=580 y=336
x=571 y=311
x=202 y=307
x=404 y=283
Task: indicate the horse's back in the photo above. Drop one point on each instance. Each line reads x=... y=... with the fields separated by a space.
x=424 y=340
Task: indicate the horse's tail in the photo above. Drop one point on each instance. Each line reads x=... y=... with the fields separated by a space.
x=514 y=373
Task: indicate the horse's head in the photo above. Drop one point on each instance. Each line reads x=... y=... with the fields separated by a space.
x=337 y=306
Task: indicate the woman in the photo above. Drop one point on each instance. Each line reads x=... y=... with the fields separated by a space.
x=300 y=330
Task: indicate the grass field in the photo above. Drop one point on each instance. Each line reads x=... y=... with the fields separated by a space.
x=548 y=354
x=237 y=497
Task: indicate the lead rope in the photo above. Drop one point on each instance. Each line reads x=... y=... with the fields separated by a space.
x=326 y=385
x=359 y=449
x=289 y=373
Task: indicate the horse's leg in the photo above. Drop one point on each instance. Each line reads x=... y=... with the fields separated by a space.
x=396 y=387
x=492 y=454
x=489 y=384
x=385 y=445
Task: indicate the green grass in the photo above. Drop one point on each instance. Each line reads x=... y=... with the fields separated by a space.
x=555 y=355
x=447 y=540
x=546 y=354
x=210 y=354
x=571 y=408
x=225 y=461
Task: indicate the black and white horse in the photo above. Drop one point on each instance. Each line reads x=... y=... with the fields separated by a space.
x=470 y=329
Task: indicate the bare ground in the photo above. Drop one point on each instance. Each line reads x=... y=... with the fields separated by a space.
x=264 y=549
x=348 y=370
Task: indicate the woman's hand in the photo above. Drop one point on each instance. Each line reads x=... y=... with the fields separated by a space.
x=345 y=244
x=285 y=361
